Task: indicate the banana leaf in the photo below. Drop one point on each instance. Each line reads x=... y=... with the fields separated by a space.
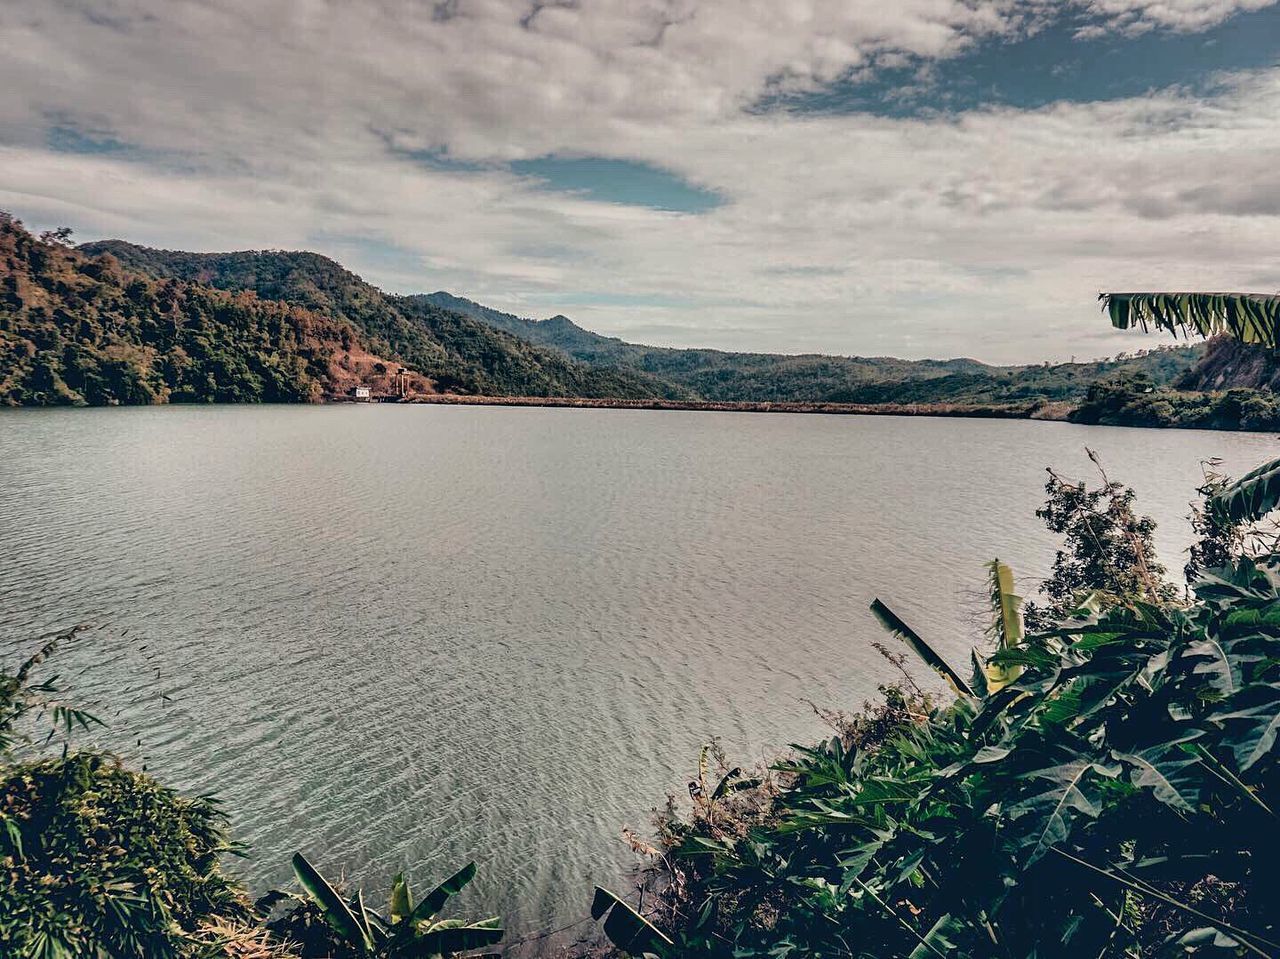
x=1249 y=317
x=437 y=898
x=890 y=621
x=626 y=928
x=336 y=912
x=1251 y=497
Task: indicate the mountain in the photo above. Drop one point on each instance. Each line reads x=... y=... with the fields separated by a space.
x=813 y=378
x=114 y=322
x=82 y=329
x=457 y=353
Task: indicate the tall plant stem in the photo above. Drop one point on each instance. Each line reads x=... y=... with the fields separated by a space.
x=902 y=922
x=1143 y=889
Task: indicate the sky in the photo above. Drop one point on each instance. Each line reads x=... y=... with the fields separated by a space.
x=919 y=178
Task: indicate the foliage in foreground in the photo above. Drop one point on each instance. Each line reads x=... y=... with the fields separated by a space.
x=1116 y=799
x=100 y=860
x=1248 y=317
x=324 y=924
x=97 y=861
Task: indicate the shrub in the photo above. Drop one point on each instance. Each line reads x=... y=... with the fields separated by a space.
x=100 y=860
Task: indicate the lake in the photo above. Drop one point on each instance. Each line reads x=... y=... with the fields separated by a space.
x=403 y=637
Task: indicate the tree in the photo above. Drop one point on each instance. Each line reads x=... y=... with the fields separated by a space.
x=60 y=236
x=1108 y=551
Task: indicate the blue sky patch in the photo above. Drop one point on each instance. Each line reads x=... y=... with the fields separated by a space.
x=618 y=181
x=67 y=138
x=1052 y=66
x=606 y=180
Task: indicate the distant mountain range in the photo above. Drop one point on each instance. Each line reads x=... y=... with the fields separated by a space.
x=113 y=322
x=722 y=376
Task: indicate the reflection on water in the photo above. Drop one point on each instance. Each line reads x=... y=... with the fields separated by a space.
x=406 y=636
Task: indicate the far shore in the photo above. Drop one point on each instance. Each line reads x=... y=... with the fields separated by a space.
x=1040 y=410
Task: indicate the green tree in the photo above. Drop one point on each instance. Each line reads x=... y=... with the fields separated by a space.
x=1108 y=554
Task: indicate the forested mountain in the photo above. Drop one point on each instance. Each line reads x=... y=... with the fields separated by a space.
x=82 y=329
x=459 y=354
x=811 y=378
x=113 y=322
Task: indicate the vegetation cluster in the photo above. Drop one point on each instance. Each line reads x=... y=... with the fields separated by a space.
x=1104 y=784
x=1136 y=400
x=459 y=354
x=80 y=330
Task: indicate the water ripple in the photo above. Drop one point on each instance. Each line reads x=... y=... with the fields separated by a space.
x=403 y=637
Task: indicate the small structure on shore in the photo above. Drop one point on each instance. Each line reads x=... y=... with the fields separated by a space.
x=402 y=381
x=361 y=394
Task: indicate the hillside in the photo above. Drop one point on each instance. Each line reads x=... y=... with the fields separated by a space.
x=722 y=376
x=457 y=353
x=114 y=322
x=81 y=329
x=1230 y=364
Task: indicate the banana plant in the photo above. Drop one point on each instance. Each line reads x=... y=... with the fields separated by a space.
x=627 y=929
x=1005 y=630
x=409 y=931
x=894 y=624
x=1251 y=497
x=989 y=676
x=705 y=796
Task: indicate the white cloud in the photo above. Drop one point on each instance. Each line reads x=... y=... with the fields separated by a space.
x=1139 y=16
x=256 y=125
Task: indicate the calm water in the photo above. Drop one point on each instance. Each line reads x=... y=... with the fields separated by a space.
x=405 y=636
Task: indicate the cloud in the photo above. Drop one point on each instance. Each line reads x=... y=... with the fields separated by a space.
x=220 y=124
x=1140 y=16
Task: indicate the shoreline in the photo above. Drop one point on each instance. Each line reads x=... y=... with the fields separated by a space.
x=1045 y=411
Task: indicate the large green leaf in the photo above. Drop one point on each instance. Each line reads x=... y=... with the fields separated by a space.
x=626 y=928
x=1251 y=497
x=1006 y=628
x=1044 y=818
x=442 y=893
x=1249 y=317
x=890 y=621
x=336 y=912
x=1252 y=722
x=1169 y=772
x=447 y=938
x=942 y=940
